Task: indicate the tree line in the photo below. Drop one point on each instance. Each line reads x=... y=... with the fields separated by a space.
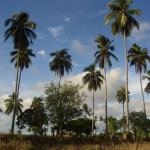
x=58 y=97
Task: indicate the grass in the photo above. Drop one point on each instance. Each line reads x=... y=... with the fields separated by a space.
x=15 y=145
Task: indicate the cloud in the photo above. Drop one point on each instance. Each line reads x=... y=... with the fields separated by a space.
x=58 y=33
x=143 y=33
x=42 y=53
x=67 y=19
x=78 y=46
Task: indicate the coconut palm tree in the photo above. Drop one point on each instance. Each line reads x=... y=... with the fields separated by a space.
x=147 y=77
x=60 y=63
x=138 y=57
x=123 y=22
x=23 y=58
x=103 y=58
x=20 y=30
x=121 y=98
x=94 y=79
x=9 y=103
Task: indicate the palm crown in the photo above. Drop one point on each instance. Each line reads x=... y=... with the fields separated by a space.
x=23 y=58
x=20 y=29
x=138 y=57
x=121 y=95
x=147 y=76
x=104 y=52
x=122 y=17
x=93 y=77
x=61 y=62
x=9 y=103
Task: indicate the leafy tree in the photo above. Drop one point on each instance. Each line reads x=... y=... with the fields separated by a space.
x=103 y=58
x=147 y=77
x=112 y=126
x=79 y=126
x=20 y=30
x=35 y=118
x=123 y=22
x=9 y=103
x=61 y=63
x=71 y=102
x=138 y=123
x=94 y=79
x=138 y=57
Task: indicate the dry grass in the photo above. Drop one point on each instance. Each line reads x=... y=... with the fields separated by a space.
x=13 y=145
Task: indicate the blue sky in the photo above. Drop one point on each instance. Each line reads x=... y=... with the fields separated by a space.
x=71 y=24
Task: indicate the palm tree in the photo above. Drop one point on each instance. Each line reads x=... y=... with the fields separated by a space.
x=23 y=58
x=20 y=29
x=9 y=103
x=139 y=58
x=147 y=77
x=94 y=79
x=121 y=98
x=123 y=22
x=61 y=63
x=103 y=58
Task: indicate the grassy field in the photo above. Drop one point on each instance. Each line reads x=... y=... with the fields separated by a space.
x=27 y=146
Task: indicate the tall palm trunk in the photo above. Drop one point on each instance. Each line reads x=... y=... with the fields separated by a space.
x=126 y=72
x=106 y=114
x=142 y=94
x=20 y=73
x=123 y=117
x=15 y=98
x=93 y=116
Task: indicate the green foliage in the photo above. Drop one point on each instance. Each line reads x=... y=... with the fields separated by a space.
x=139 y=58
x=105 y=51
x=147 y=77
x=79 y=126
x=121 y=17
x=138 y=122
x=9 y=103
x=71 y=101
x=35 y=118
x=93 y=78
x=61 y=62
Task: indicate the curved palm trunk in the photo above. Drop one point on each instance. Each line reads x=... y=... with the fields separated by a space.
x=93 y=116
x=142 y=94
x=106 y=113
x=126 y=72
x=15 y=98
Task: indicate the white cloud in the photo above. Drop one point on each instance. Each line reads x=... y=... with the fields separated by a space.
x=67 y=19
x=78 y=46
x=56 y=31
x=143 y=33
x=42 y=53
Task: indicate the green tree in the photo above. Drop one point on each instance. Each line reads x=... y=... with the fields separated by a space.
x=20 y=30
x=94 y=79
x=123 y=22
x=9 y=103
x=112 y=126
x=103 y=58
x=147 y=77
x=121 y=98
x=35 y=118
x=60 y=63
x=138 y=123
x=138 y=57
x=71 y=102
